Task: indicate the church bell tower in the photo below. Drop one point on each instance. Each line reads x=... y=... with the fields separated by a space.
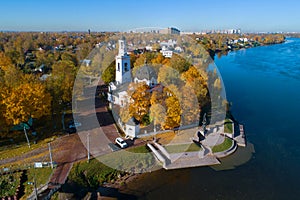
x=123 y=68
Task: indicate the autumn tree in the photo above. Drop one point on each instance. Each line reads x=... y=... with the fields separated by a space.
x=139 y=101
x=22 y=96
x=157 y=97
x=28 y=100
x=124 y=113
x=5 y=61
x=142 y=60
x=197 y=79
x=179 y=63
x=168 y=75
x=190 y=107
x=158 y=59
x=158 y=114
x=174 y=112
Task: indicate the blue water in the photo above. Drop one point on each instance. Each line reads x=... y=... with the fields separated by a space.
x=263 y=85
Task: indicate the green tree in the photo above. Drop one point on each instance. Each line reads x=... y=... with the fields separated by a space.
x=62 y=80
x=109 y=74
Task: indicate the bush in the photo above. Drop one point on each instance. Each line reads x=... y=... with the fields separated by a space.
x=9 y=184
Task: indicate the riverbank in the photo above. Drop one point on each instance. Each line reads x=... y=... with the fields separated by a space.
x=221 y=44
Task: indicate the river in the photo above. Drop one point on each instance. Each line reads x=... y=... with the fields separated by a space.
x=263 y=85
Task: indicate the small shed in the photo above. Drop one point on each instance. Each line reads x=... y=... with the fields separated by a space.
x=132 y=128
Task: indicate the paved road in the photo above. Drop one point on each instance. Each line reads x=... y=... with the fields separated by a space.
x=76 y=149
x=72 y=151
x=71 y=148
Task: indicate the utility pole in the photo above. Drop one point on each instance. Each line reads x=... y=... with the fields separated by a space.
x=26 y=136
x=88 y=146
x=50 y=154
x=35 y=190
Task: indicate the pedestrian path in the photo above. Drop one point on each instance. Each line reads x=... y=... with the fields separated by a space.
x=184 y=159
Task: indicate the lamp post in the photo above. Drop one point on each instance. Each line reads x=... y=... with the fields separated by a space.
x=204 y=123
x=50 y=154
x=88 y=146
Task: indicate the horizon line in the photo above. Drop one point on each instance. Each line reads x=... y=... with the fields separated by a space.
x=118 y=31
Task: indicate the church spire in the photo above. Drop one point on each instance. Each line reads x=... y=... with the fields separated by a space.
x=122 y=47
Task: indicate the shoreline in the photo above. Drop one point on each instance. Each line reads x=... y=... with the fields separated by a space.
x=221 y=53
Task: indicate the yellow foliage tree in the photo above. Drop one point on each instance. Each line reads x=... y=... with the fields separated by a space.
x=25 y=101
x=158 y=114
x=168 y=75
x=173 y=113
x=189 y=105
x=124 y=113
x=197 y=80
x=159 y=59
x=4 y=61
x=140 y=101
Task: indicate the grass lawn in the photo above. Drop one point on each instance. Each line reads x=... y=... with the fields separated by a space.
x=179 y=148
x=222 y=147
x=136 y=159
x=17 y=150
x=14 y=144
x=92 y=174
x=139 y=149
x=41 y=176
x=228 y=126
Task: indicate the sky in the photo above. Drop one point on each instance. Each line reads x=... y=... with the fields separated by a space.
x=123 y=15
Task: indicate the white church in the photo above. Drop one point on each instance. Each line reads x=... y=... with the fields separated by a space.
x=117 y=91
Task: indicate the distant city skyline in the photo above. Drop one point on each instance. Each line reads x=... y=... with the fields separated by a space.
x=117 y=15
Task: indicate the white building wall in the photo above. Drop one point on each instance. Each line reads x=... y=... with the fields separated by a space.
x=123 y=72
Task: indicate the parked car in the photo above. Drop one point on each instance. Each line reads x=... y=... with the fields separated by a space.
x=73 y=124
x=121 y=142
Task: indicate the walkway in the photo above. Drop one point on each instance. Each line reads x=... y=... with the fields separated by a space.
x=184 y=159
x=99 y=137
x=192 y=160
x=240 y=136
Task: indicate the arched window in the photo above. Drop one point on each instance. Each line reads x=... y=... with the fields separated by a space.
x=118 y=66
x=126 y=67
